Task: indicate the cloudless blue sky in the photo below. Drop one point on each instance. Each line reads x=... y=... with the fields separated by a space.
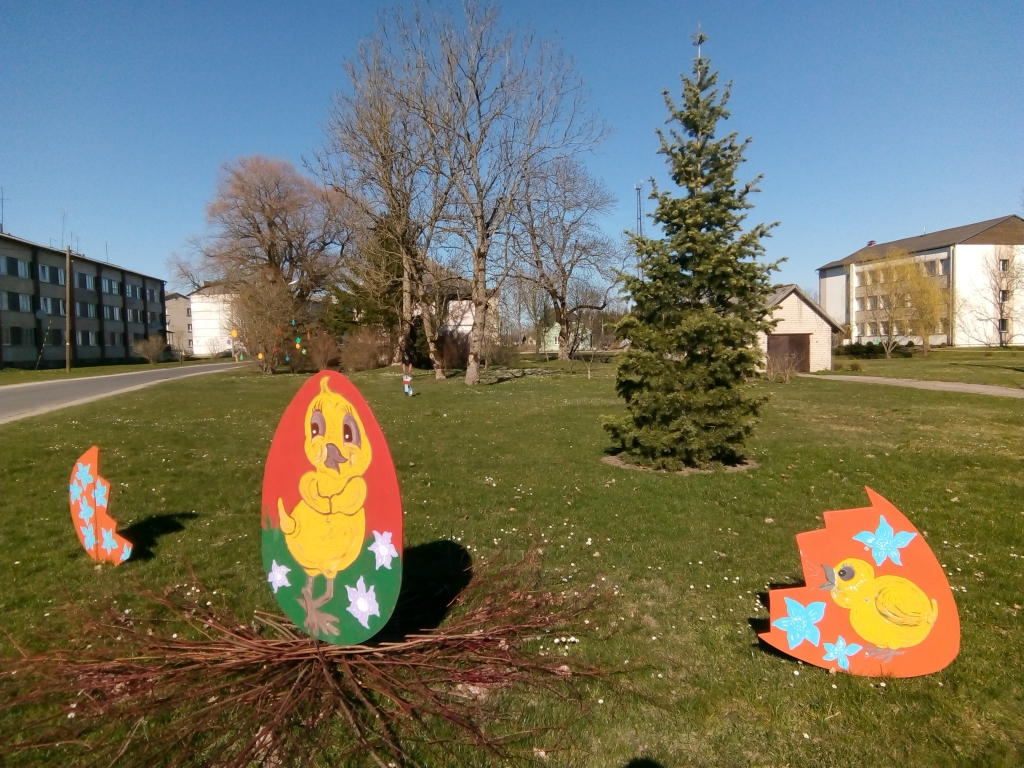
x=870 y=120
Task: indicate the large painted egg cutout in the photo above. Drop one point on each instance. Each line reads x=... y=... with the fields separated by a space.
x=332 y=515
x=876 y=601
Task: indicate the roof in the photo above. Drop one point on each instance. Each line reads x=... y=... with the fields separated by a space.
x=215 y=288
x=78 y=256
x=932 y=241
x=784 y=291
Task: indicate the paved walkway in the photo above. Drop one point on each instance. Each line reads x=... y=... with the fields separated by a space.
x=940 y=386
x=19 y=401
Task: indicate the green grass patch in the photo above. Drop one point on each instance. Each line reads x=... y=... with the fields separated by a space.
x=1003 y=367
x=516 y=465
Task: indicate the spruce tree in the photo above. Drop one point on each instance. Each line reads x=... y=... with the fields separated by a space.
x=699 y=301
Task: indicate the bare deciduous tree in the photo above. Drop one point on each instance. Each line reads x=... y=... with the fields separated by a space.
x=378 y=154
x=562 y=249
x=910 y=299
x=262 y=308
x=494 y=103
x=267 y=216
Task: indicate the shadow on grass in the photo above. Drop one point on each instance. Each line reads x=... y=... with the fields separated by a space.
x=643 y=762
x=433 y=575
x=145 y=533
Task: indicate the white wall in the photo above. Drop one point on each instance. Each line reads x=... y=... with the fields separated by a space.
x=795 y=316
x=976 y=306
x=833 y=292
x=211 y=324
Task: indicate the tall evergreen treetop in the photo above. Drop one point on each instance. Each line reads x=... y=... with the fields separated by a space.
x=699 y=301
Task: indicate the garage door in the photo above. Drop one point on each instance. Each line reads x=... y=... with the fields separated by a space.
x=783 y=347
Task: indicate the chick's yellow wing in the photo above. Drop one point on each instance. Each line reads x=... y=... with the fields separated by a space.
x=901 y=602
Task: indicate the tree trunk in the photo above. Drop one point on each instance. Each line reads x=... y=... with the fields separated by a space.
x=476 y=339
x=406 y=327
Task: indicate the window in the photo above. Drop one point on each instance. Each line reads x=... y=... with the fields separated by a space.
x=883 y=329
x=19 y=337
x=1004 y=296
x=190 y=342
x=116 y=338
x=1004 y=265
x=885 y=303
x=52 y=306
x=133 y=291
x=24 y=302
x=14 y=267
x=150 y=294
x=944 y=266
x=151 y=317
x=1004 y=325
x=188 y=311
x=190 y=327
x=55 y=337
x=111 y=313
x=931 y=268
x=61 y=276
x=872 y=329
x=131 y=315
x=872 y=302
x=44 y=273
x=84 y=281
x=111 y=286
x=84 y=309
x=860 y=306
x=944 y=325
x=5 y=301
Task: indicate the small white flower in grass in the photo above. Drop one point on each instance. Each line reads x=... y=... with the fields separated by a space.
x=383 y=549
x=600 y=701
x=278 y=576
x=362 y=602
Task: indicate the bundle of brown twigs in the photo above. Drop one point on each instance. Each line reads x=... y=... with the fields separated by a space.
x=220 y=691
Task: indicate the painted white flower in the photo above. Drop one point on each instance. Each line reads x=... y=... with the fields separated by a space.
x=383 y=549
x=362 y=602
x=278 y=576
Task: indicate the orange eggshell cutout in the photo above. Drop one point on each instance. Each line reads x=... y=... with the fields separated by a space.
x=876 y=601
x=89 y=498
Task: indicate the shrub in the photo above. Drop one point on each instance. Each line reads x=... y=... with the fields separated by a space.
x=363 y=349
x=151 y=349
x=855 y=366
x=836 y=365
x=501 y=354
x=780 y=367
x=323 y=349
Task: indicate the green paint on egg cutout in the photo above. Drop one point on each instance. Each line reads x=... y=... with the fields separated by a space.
x=332 y=515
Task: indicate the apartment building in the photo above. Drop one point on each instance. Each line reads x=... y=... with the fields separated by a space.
x=978 y=266
x=109 y=307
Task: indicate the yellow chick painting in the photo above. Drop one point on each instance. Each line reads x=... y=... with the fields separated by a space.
x=891 y=612
x=325 y=530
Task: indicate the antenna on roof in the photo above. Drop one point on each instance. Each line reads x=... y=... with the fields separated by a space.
x=2 y=198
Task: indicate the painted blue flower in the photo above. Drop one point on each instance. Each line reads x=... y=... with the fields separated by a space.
x=85 y=510
x=100 y=494
x=82 y=474
x=76 y=491
x=90 y=537
x=841 y=651
x=799 y=624
x=126 y=552
x=882 y=542
x=109 y=545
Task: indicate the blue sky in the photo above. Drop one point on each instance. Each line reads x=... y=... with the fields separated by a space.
x=870 y=120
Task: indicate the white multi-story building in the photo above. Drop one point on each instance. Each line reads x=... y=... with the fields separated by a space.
x=211 y=320
x=976 y=263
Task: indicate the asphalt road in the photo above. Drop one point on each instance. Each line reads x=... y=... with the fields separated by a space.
x=19 y=401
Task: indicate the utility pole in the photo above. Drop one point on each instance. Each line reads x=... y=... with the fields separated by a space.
x=67 y=310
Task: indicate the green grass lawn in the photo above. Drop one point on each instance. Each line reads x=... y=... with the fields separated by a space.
x=516 y=465
x=23 y=376
x=1001 y=367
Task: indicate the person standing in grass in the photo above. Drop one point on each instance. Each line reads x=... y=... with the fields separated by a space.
x=407 y=358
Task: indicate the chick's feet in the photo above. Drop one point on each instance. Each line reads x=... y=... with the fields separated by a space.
x=318 y=622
